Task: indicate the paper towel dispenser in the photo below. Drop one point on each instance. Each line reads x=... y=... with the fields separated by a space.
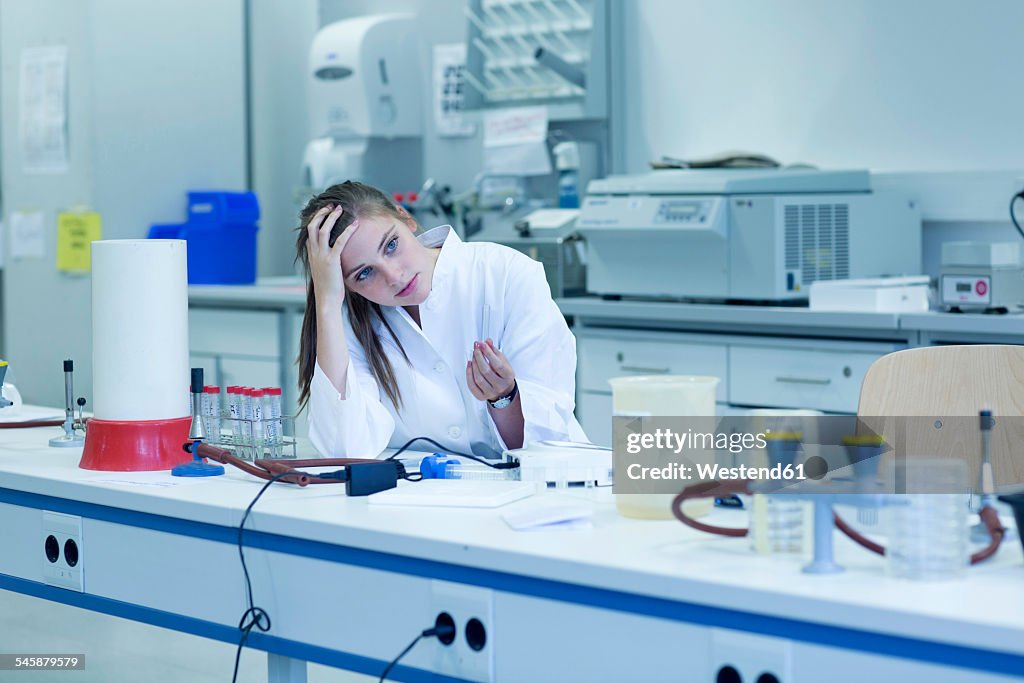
x=364 y=102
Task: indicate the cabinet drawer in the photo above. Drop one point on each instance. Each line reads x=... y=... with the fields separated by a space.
x=797 y=378
x=230 y=332
x=599 y=359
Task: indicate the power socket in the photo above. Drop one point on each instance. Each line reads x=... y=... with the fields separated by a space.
x=471 y=655
x=61 y=548
x=755 y=658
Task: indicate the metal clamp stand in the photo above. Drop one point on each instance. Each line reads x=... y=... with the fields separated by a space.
x=71 y=438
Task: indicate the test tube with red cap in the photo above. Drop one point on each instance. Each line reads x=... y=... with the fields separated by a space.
x=272 y=420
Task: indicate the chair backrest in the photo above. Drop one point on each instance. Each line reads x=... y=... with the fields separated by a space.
x=950 y=385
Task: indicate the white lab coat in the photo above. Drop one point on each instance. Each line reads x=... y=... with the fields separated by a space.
x=472 y=281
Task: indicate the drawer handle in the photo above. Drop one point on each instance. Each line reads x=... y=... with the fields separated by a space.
x=804 y=380
x=641 y=368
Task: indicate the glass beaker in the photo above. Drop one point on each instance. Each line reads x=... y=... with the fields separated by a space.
x=780 y=523
x=662 y=396
x=928 y=528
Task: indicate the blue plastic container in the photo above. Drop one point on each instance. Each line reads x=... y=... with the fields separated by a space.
x=221 y=236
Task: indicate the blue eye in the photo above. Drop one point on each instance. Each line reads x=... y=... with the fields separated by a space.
x=391 y=246
x=363 y=274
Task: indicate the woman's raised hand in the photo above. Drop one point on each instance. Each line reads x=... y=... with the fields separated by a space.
x=324 y=259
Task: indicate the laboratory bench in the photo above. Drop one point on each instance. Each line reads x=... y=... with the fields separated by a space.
x=348 y=583
x=766 y=356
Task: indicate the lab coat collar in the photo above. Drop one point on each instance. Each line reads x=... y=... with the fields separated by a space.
x=445 y=237
x=438 y=236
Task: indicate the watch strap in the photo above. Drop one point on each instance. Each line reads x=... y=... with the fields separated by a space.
x=505 y=401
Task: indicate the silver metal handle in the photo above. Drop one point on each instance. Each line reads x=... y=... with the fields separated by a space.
x=640 y=368
x=804 y=380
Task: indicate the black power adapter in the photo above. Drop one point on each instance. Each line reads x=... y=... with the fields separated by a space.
x=365 y=478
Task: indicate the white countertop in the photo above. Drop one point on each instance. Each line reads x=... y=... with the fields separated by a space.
x=984 y=609
x=290 y=293
x=278 y=292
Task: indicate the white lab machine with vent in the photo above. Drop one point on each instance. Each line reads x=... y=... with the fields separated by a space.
x=743 y=234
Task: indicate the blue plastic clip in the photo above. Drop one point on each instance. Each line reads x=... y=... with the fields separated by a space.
x=436 y=466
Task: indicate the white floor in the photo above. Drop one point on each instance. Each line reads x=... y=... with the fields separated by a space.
x=119 y=650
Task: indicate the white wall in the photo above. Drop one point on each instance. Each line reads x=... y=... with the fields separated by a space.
x=156 y=107
x=280 y=33
x=889 y=85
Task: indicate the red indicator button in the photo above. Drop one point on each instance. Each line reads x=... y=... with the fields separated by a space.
x=981 y=288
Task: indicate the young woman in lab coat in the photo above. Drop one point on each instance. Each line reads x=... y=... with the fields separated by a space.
x=411 y=335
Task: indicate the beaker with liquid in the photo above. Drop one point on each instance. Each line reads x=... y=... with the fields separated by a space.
x=662 y=396
x=779 y=523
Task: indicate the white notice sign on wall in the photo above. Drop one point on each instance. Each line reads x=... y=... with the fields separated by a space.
x=43 y=106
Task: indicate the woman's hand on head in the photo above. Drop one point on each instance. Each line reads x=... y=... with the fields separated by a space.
x=489 y=375
x=325 y=259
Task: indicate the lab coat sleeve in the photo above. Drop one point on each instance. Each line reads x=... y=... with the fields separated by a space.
x=542 y=351
x=358 y=426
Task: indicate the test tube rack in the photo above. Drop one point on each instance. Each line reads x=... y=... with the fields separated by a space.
x=240 y=435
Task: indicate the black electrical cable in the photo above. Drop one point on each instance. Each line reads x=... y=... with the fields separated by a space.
x=497 y=466
x=437 y=631
x=253 y=617
x=1013 y=217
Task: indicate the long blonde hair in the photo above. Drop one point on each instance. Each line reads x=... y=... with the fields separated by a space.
x=356 y=200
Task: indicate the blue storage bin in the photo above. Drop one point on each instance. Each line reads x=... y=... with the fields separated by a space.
x=221 y=236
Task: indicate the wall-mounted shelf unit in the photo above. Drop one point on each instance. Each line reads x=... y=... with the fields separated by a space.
x=530 y=52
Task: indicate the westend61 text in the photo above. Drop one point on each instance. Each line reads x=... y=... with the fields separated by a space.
x=706 y=472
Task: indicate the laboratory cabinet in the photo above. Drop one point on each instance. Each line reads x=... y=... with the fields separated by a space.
x=235 y=347
x=765 y=372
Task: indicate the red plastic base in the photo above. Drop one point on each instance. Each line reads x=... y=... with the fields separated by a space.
x=135 y=446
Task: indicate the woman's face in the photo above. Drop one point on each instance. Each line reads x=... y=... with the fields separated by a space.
x=383 y=262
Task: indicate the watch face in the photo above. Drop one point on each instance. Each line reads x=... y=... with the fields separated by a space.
x=501 y=402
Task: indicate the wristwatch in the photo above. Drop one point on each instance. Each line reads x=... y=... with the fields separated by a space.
x=505 y=401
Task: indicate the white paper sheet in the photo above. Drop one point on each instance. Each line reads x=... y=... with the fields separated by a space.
x=162 y=479
x=44 y=109
x=515 y=141
x=27 y=239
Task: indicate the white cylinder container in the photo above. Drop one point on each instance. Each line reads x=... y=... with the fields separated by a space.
x=140 y=330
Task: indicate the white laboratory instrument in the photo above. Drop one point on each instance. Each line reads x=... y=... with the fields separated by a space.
x=563 y=463
x=982 y=276
x=904 y=294
x=364 y=103
x=141 y=414
x=545 y=235
x=743 y=234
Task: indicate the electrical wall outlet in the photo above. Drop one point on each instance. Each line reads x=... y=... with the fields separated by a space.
x=471 y=655
x=755 y=658
x=62 y=552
